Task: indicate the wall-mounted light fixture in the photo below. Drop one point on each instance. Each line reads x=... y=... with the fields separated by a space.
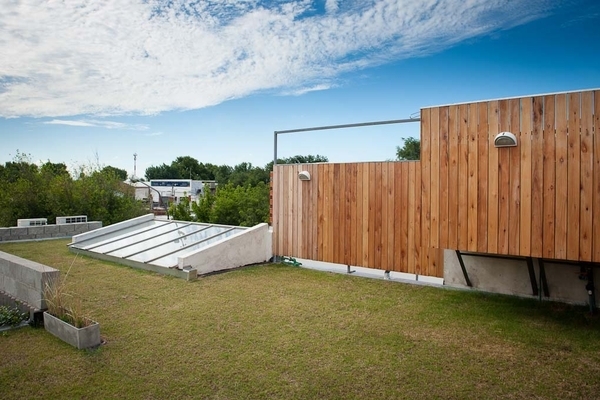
x=304 y=175
x=505 y=139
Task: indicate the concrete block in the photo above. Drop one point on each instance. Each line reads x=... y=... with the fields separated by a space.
x=50 y=229
x=69 y=228
x=35 y=230
x=4 y=233
x=17 y=231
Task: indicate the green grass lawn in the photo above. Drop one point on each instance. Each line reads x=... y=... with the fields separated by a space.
x=275 y=331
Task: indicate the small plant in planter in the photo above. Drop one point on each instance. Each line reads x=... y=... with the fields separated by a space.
x=64 y=317
x=12 y=316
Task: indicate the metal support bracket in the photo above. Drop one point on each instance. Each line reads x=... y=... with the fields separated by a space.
x=464 y=270
x=350 y=271
x=534 y=285
x=543 y=278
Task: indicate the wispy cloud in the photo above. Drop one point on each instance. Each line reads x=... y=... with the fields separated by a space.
x=93 y=123
x=113 y=57
x=304 y=90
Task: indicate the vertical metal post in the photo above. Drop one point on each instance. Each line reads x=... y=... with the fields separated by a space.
x=274 y=149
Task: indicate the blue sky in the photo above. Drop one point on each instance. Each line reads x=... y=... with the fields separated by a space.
x=99 y=80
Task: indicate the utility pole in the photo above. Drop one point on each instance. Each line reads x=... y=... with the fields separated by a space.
x=135 y=165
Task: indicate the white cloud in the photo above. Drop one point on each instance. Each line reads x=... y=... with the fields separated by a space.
x=94 y=123
x=113 y=57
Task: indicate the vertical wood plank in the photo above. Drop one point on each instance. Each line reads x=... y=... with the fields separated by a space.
x=515 y=178
x=492 y=223
x=425 y=183
x=549 y=162
x=384 y=216
x=443 y=179
x=322 y=172
x=312 y=243
x=399 y=206
x=503 y=181
x=418 y=215
x=453 y=162
x=596 y=191
x=537 y=179
x=411 y=236
x=473 y=185
x=434 y=178
x=291 y=218
x=372 y=211
x=482 y=176
x=562 y=177
x=463 y=175
x=342 y=221
x=377 y=212
x=338 y=222
x=297 y=205
x=525 y=146
x=359 y=213
x=353 y=212
x=391 y=219
x=574 y=153
x=366 y=229
x=405 y=216
x=304 y=211
x=302 y=188
x=587 y=183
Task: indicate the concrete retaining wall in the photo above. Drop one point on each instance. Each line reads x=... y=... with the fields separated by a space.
x=46 y=231
x=25 y=280
x=512 y=277
x=248 y=247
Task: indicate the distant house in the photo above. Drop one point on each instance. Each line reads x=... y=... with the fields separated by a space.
x=173 y=190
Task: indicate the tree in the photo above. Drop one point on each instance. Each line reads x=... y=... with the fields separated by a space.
x=298 y=159
x=410 y=151
x=163 y=171
x=29 y=191
x=118 y=172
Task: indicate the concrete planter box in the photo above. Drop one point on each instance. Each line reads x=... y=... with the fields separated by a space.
x=82 y=338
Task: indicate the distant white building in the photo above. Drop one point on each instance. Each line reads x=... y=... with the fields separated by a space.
x=173 y=190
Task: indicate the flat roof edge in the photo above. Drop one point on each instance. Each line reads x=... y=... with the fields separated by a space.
x=512 y=98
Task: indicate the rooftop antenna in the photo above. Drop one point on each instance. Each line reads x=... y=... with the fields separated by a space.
x=134 y=165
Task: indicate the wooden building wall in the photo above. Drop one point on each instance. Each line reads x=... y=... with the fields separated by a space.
x=538 y=199
x=361 y=214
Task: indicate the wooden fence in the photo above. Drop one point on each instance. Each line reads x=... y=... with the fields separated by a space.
x=539 y=199
x=365 y=214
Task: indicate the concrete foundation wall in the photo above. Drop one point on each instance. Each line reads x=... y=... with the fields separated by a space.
x=248 y=247
x=25 y=280
x=46 y=231
x=512 y=277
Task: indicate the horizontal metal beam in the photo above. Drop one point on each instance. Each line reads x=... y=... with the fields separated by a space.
x=357 y=125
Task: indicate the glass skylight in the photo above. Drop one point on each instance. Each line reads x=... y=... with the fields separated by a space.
x=155 y=242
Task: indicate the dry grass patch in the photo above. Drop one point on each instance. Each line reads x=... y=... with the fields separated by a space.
x=277 y=331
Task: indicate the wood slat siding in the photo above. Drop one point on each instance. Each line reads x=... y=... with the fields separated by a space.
x=364 y=214
x=538 y=199
x=596 y=179
x=562 y=175
x=549 y=195
x=586 y=183
x=542 y=197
